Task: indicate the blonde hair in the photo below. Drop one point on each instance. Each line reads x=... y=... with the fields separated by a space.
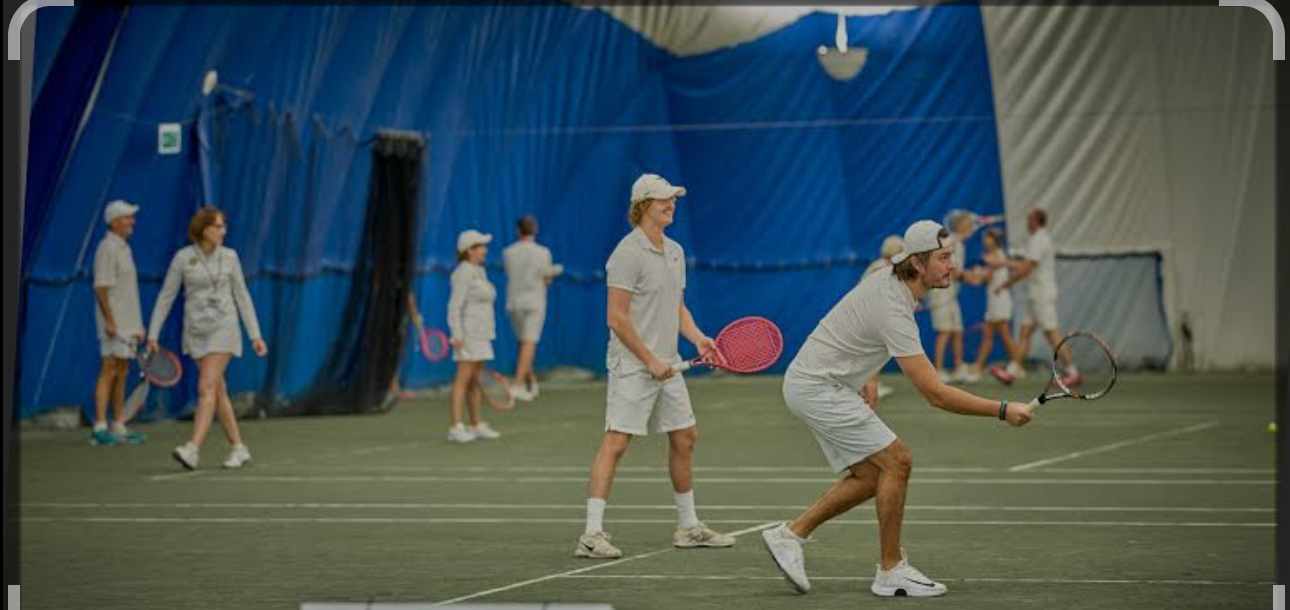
x=204 y=217
x=891 y=246
x=637 y=211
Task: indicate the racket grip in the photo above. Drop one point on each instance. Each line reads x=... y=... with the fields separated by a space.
x=682 y=367
x=1034 y=404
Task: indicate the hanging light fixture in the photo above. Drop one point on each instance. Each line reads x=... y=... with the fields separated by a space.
x=842 y=63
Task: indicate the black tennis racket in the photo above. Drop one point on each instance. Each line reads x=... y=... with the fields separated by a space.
x=1084 y=367
x=161 y=369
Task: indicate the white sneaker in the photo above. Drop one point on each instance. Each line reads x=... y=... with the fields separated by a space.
x=596 y=546
x=533 y=391
x=460 y=434
x=1016 y=371
x=237 y=457
x=521 y=394
x=966 y=375
x=946 y=378
x=904 y=580
x=485 y=432
x=700 y=536
x=786 y=549
x=187 y=454
x=884 y=390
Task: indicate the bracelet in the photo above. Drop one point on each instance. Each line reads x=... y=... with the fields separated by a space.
x=1003 y=410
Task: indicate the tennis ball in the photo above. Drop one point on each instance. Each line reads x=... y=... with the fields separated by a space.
x=1272 y=427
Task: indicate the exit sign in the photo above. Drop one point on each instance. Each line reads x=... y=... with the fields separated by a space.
x=169 y=139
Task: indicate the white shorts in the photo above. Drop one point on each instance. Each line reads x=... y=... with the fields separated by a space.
x=998 y=307
x=846 y=427
x=115 y=347
x=474 y=350
x=527 y=323
x=638 y=404
x=1043 y=312
x=947 y=317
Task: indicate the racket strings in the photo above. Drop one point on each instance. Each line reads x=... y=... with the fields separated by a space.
x=750 y=344
x=1092 y=369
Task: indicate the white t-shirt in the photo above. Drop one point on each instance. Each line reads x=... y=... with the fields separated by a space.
x=527 y=267
x=1043 y=281
x=114 y=269
x=870 y=325
x=656 y=279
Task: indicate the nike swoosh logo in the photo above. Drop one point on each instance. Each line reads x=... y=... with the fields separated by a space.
x=588 y=547
x=919 y=582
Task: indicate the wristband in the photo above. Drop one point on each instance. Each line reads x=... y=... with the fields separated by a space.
x=1003 y=410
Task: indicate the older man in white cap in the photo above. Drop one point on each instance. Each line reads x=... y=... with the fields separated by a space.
x=871 y=324
x=118 y=320
x=646 y=310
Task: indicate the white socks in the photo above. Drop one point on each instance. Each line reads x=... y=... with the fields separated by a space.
x=595 y=515
x=685 y=516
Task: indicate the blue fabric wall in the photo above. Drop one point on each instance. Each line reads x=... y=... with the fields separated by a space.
x=794 y=178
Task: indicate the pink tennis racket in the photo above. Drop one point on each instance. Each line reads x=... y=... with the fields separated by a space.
x=432 y=343
x=747 y=345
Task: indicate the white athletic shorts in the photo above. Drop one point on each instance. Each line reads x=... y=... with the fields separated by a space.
x=844 y=425
x=527 y=324
x=947 y=316
x=1043 y=311
x=638 y=404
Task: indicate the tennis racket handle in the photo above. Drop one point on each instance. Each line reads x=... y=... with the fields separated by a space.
x=682 y=367
x=1034 y=404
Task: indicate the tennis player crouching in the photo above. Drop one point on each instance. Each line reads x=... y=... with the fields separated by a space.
x=871 y=324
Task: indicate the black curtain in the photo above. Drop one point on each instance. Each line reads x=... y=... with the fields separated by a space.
x=365 y=359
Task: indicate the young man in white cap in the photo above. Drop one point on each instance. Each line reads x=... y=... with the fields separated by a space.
x=528 y=273
x=1039 y=266
x=871 y=324
x=118 y=320
x=646 y=280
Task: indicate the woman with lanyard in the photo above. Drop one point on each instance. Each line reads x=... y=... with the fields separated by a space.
x=214 y=294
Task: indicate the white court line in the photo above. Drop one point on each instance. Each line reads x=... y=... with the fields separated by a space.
x=659 y=507
x=531 y=520
x=1179 y=471
x=657 y=469
x=1072 y=581
x=187 y=474
x=1113 y=446
x=616 y=562
x=582 y=480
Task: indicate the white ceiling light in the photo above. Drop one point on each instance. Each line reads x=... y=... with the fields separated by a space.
x=842 y=63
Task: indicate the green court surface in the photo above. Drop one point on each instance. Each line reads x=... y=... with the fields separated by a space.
x=1161 y=495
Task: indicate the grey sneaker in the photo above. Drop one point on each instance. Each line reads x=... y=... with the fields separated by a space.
x=786 y=549
x=700 y=536
x=904 y=580
x=187 y=455
x=596 y=546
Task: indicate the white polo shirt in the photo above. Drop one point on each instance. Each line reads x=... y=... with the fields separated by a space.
x=527 y=267
x=1043 y=283
x=114 y=269
x=873 y=323
x=656 y=279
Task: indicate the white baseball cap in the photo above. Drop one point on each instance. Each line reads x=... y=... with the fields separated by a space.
x=471 y=238
x=118 y=208
x=922 y=236
x=653 y=186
